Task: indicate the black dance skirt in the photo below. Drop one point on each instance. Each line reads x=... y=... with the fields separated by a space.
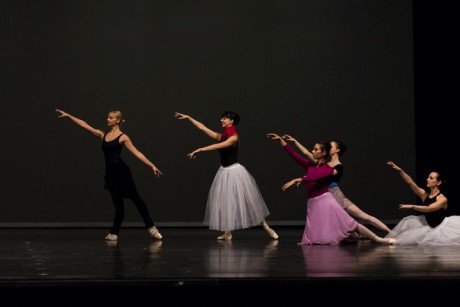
x=118 y=180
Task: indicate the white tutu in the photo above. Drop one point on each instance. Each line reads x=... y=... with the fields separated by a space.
x=447 y=233
x=234 y=200
x=414 y=229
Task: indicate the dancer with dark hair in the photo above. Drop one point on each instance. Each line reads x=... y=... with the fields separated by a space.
x=234 y=200
x=338 y=149
x=326 y=221
x=432 y=226
x=118 y=178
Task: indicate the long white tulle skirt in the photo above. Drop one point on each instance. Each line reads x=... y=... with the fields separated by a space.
x=234 y=200
x=414 y=229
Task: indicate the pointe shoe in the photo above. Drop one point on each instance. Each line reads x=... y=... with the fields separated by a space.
x=226 y=236
x=111 y=237
x=153 y=231
x=271 y=232
x=388 y=241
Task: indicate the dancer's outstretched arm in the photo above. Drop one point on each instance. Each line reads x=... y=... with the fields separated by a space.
x=96 y=132
x=130 y=146
x=302 y=149
x=294 y=155
x=440 y=203
x=227 y=143
x=408 y=179
x=212 y=134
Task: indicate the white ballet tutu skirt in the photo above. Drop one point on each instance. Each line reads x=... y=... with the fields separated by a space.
x=414 y=229
x=234 y=200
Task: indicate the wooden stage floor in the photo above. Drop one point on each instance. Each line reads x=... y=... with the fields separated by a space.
x=70 y=267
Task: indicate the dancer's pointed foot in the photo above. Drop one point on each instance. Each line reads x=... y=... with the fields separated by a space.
x=225 y=236
x=270 y=231
x=153 y=231
x=388 y=241
x=111 y=237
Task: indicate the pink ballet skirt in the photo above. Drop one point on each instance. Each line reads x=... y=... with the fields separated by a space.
x=327 y=222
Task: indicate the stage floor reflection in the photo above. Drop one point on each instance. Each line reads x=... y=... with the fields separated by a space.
x=194 y=253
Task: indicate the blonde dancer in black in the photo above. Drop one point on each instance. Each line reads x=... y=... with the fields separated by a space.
x=118 y=178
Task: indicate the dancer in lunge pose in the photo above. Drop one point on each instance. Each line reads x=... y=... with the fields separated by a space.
x=234 y=200
x=337 y=150
x=118 y=178
x=326 y=221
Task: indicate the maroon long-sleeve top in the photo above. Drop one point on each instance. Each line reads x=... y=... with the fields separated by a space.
x=317 y=177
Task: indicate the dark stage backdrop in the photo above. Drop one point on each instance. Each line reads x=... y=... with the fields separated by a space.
x=313 y=69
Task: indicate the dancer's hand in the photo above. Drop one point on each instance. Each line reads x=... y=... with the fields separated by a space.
x=156 y=171
x=181 y=116
x=287 y=185
x=62 y=113
x=405 y=206
x=193 y=154
x=274 y=136
x=289 y=138
x=394 y=166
